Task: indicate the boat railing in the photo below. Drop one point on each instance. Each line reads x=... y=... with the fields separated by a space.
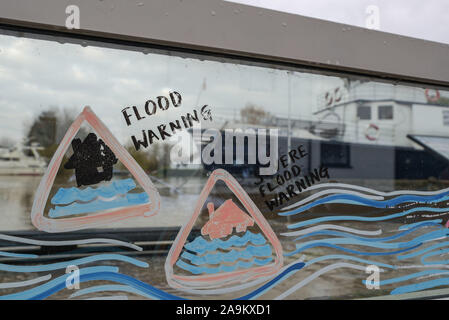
x=348 y=131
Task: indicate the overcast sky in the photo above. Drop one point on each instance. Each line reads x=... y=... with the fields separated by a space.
x=424 y=19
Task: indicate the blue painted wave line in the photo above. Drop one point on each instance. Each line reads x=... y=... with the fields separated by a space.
x=107 y=273
x=381 y=245
x=77 y=262
x=113 y=276
x=412 y=225
x=367 y=219
x=33 y=292
x=96 y=205
x=421 y=286
x=290 y=270
x=69 y=195
x=109 y=287
x=409 y=276
x=17 y=255
x=325 y=244
x=422 y=251
x=311 y=244
x=150 y=291
x=157 y=293
x=386 y=206
x=201 y=245
x=278 y=278
x=231 y=256
x=350 y=235
x=222 y=268
x=353 y=199
x=254 y=294
x=431 y=254
x=437 y=234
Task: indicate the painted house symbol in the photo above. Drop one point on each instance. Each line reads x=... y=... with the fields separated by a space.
x=224 y=219
x=216 y=259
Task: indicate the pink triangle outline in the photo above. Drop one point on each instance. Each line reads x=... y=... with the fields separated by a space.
x=215 y=280
x=77 y=223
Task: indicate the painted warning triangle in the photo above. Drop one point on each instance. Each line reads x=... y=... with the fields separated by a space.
x=97 y=217
x=220 y=226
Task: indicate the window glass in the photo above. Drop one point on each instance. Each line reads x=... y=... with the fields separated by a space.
x=193 y=176
x=364 y=112
x=446 y=117
x=385 y=113
x=335 y=155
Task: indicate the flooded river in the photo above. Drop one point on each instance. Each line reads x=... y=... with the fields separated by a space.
x=17 y=195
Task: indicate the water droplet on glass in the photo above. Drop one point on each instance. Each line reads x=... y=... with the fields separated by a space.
x=84 y=44
x=213 y=13
x=236 y=11
x=284 y=24
x=140 y=4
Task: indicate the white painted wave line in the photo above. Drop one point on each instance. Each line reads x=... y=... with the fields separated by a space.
x=423 y=266
x=69 y=242
x=205 y=290
x=333 y=227
x=331 y=191
x=316 y=275
x=369 y=190
x=7 y=285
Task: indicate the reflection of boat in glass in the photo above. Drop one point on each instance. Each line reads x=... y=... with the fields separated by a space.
x=365 y=131
x=16 y=161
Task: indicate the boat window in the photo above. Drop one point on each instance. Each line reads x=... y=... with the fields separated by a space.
x=446 y=117
x=335 y=155
x=364 y=112
x=385 y=112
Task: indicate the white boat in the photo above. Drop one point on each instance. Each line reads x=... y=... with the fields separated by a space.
x=367 y=131
x=14 y=161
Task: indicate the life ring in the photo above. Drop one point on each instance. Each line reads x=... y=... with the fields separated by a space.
x=432 y=98
x=368 y=132
x=337 y=95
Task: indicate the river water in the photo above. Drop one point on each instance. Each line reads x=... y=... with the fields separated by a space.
x=17 y=195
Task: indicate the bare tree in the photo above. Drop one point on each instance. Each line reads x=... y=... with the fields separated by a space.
x=254 y=115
